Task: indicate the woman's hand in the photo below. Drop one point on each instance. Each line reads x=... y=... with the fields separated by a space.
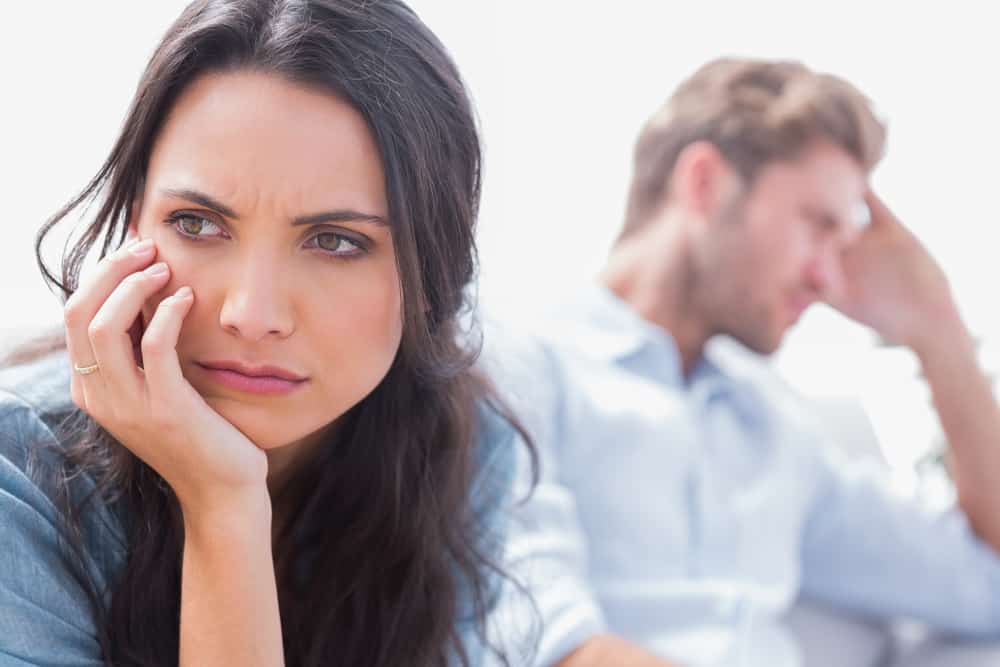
x=153 y=410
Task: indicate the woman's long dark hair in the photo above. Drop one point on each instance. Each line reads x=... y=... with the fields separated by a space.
x=384 y=560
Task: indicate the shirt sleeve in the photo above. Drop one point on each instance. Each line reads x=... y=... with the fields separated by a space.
x=489 y=498
x=550 y=608
x=45 y=614
x=869 y=550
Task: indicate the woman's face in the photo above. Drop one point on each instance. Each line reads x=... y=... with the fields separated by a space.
x=268 y=199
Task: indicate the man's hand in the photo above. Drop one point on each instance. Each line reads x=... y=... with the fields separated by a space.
x=892 y=284
x=602 y=650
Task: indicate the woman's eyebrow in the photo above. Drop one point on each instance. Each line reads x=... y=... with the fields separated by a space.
x=339 y=215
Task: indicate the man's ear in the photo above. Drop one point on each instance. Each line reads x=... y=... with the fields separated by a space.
x=703 y=181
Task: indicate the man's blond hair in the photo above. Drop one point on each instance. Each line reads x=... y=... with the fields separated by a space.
x=754 y=112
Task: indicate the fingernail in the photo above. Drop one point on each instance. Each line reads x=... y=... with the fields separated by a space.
x=141 y=248
x=184 y=293
x=157 y=269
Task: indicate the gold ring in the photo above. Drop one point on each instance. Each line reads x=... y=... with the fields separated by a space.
x=85 y=370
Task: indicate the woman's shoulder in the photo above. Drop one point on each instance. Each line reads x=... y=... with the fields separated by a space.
x=41 y=385
x=34 y=401
x=35 y=414
x=495 y=459
x=47 y=607
x=496 y=437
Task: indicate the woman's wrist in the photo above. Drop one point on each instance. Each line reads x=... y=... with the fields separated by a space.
x=229 y=598
x=245 y=514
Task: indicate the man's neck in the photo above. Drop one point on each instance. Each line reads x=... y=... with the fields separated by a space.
x=655 y=278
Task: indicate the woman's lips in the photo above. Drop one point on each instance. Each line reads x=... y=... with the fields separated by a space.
x=265 y=384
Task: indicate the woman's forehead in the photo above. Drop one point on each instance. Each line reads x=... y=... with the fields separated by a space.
x=252 y=135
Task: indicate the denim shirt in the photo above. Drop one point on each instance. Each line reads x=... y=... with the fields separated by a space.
x=46 y=618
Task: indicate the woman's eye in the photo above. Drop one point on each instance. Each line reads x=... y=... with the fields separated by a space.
x=197 y=228
x=336 y=244
x=193 y=226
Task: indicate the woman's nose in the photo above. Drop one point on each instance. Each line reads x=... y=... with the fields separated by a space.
x=256 y=307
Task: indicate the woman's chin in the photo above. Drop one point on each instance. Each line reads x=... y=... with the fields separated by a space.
x=264 y=428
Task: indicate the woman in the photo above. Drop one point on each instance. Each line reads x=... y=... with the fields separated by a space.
x=273 y=447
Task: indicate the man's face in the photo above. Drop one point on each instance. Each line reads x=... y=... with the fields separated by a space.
x=776 y=248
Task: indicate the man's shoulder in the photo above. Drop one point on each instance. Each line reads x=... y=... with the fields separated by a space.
x=558 y=363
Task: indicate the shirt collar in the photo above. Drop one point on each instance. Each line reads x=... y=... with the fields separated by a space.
x=607 y=328
x=610 y=330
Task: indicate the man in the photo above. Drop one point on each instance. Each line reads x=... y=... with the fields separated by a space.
x=685 y=501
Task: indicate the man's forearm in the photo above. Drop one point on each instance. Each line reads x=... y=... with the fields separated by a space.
x=970 y=419
x=603 y=650
x=229 y=598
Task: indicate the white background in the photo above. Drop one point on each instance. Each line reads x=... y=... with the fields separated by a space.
x=561 y=88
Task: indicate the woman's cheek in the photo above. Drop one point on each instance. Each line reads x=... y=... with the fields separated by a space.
x=377 y=311
x=181 y=270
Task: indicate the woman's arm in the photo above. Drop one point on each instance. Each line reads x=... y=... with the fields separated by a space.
x=229 y=601
x=229 y=598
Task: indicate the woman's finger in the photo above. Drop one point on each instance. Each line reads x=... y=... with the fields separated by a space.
x=109 y=331
x=84 y=303
x=159 y=346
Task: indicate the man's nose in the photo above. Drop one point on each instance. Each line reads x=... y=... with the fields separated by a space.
x=825 y=272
